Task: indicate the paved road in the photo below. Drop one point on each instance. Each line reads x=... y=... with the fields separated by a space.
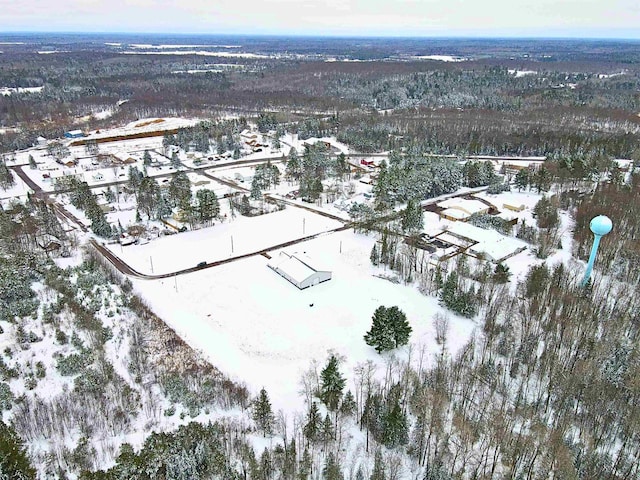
x=44 y=196
x=123 y=267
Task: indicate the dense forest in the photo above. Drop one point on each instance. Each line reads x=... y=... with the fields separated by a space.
x=553 y=98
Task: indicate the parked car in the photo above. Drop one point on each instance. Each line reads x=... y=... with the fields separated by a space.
x=202 y=264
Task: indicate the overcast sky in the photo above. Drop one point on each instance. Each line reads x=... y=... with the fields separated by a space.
x=574 y=18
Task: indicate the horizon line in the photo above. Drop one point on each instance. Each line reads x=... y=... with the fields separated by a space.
x=469 y=36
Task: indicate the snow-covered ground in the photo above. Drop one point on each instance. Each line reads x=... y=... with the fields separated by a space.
x=245 y=234
x=257 y=327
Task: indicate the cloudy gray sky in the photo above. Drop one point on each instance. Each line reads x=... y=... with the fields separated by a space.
x=576 y=18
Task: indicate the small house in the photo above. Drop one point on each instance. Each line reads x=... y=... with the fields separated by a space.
x=298 y=269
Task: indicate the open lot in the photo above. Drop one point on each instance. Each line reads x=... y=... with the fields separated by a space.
x=246 y=234
x=257 y=327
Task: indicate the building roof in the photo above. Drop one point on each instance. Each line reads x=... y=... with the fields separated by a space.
x=491 y=243
x=295 y=265
x=455 y=213
x=468 y=206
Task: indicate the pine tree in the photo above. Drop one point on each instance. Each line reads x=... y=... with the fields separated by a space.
x=332 y=384
x=412 y=216
x=6 y=177
x=262 y=413
x=14 y=462
x=395 y=430
x=292 y=171
x=378 y=472
x=146 y=158
x=331 y=470
x=449 y=290
x=266 y=465
x=380 y=336
x=522 y=179
x=374 y=256
x=175 y=160
x=208 y=205
x=305 y=466
x=348 y=405
x=311 y=428
x=180 y=190
x=501 y=273
x=32 y=163
x=256 y=187
x=245 y=205
x=399 y=325
x=328 y=432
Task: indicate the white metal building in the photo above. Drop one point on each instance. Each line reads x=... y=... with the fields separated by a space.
x=297 y=269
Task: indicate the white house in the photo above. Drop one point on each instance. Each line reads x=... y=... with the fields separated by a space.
x=297 y=268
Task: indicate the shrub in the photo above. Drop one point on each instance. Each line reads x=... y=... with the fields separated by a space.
x=6 y=397
x=74 y=363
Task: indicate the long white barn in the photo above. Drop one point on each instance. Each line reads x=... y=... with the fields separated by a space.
x=298 y=269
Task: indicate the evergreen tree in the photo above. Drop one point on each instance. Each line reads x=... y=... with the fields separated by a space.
x=208 y=206
x=175 y=160
x=262 y=413
x=180 y=190
x=546 y=213
x=305 y=466
x=135 y=178
x=245 y=205
x=412 y=216
x=390 y=329
x=381 y=189
x=332 y=470
x=342 y=167
x=380 y=336
x=311 y=429
x=374 y=256
x=400 y=328
x=292 y=171
x=146 y=158
x=542 y=179
x=328 y=432
x=32 y=163
x=14 y=462
x=348 y=405
x=449 y=290
x=332 y=384
x=6 y=177
x=378 y=472
x=236 y=153
x=522 y=179
x=395 y=430
x=168 y=139
x=256 y=187
x=148 y=196
x=501 y=273
x=266 y=465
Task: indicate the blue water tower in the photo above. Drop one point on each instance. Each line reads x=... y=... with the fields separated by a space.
x=600 y=226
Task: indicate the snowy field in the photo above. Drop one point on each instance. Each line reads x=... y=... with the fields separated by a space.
x=258 y=328
x=249 y=234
